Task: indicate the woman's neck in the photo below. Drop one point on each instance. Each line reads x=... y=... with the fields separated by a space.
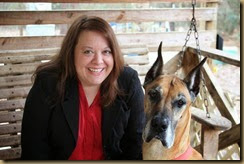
x=90 y=92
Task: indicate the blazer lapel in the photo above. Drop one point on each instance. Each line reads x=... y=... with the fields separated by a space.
x=71 y=106
x=109 y=117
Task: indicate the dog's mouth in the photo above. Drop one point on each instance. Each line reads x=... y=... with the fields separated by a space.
x=166 y=137
x=166 y=144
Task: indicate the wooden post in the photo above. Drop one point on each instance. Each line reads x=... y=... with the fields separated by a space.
x=210 y=138
x=212 y=25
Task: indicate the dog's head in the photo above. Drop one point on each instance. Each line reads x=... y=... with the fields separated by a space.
x=166 y=99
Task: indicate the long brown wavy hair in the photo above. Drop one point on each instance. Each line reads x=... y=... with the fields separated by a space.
x=63 y=62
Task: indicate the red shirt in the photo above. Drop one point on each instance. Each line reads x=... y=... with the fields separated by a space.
x=89 y=142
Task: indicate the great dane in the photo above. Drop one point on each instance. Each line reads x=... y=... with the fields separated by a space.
x=167 y=105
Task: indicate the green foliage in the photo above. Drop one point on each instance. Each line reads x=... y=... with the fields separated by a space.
x=229 y=17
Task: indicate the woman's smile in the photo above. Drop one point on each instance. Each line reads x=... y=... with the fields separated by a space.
x=93 y=58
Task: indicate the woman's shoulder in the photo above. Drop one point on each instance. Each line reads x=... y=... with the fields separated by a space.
x=128 y=77
x=47 y=74
x=47 y=79
x=127 y=73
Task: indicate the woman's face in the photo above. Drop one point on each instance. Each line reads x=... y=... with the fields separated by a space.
x=93 y=58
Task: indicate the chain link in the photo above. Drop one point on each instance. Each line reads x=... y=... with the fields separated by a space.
x=193 y=27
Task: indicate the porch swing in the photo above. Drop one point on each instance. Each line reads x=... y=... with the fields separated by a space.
x=211 y=124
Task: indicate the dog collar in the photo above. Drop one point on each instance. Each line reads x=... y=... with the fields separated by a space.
x=185 y=155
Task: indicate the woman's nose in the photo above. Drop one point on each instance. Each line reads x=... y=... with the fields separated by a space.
x=98 y=58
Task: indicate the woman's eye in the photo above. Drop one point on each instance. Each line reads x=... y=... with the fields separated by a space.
x=88 y=52
x=107 y=52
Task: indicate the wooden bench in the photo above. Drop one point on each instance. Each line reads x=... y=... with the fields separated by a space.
x=15 y=83
x=21 y=54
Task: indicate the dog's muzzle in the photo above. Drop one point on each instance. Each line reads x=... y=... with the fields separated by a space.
x=160 y=127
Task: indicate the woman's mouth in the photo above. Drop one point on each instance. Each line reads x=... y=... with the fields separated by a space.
x=96 y=69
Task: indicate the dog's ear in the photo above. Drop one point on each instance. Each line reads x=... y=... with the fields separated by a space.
x=156 y=69
x=193 y=80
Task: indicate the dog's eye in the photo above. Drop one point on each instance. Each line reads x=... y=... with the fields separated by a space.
x=180 y=103
x=153 y=94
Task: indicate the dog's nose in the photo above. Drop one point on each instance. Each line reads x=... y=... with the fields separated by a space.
x=160 y=123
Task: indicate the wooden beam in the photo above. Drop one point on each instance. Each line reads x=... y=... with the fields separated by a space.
x=210 y=138
x=215 y=122
x=218 y=96
x=150 y=39
x=122 y=15
x=218 y=55
x=226 y=138
x=211 y=25
x=230 y=137
x=105 y=1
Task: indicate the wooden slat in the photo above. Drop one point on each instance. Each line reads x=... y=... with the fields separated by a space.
x=12 y=69
x=126 y=49
x=13 y=153
x=14 y=92
x=19 y=80
x=171 y=66
x=215 y=122
x=20 y=43
x=35 y=56
x=105 y=1
x=141 y=69
x=168 y=38
x=153 y=48
x=10 y=128
x=12 y=104
x=218 y=55
x=136 y=59
x=11 y=116
x=218 y=96
x=29 y=58
x=132 y=45
x=10 y=140
x=125 y=15
x=28 y=52
x=138 y=51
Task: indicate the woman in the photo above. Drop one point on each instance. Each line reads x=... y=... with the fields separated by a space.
x=84 y=104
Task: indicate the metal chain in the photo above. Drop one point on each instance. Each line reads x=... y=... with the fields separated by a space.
x=193 y=27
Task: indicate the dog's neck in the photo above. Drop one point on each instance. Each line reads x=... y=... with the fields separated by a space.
x=182 y=137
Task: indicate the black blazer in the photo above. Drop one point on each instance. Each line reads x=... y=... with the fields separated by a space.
x=51 y=131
